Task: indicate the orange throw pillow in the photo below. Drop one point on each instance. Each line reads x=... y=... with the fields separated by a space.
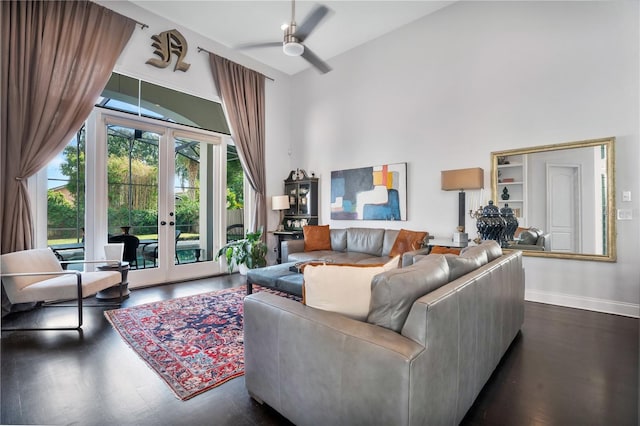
x=407 y=241
x=316 y=237
x=444 y=250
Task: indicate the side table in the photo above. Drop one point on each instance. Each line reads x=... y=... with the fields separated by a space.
x=114 y=292
x=446 y=242
x=283 y=236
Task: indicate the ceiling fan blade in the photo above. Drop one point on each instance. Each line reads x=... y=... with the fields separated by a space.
x=311 y=22
x=314 y=60
x=259 y=45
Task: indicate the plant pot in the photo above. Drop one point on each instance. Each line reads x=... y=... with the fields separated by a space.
x=243 y=269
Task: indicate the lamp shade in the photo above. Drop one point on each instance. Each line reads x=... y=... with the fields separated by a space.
x=460 y=179
x=280 y=202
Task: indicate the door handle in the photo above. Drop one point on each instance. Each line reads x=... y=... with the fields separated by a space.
x=163 y=223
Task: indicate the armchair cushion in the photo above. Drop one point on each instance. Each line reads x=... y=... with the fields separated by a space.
x=40 y=260
x=60 y=285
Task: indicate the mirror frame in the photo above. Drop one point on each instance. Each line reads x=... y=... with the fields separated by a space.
x=611 y=206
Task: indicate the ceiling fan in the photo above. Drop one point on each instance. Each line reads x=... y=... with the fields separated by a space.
x=294 y=37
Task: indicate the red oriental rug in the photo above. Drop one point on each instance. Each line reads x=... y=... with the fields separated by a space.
x=194 y=343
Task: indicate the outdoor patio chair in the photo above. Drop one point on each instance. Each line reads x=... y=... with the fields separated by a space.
x=150 y=251
x=131 y=243
x=36 y=275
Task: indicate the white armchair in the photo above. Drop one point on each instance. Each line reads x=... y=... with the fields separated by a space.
x=37 y=276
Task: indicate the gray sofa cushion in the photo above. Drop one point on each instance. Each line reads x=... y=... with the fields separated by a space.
x=365 y=240
x=338 y=239
x=530 y=236
x=492 y=248
x=460 y=265
x=390 y=236
x=477 y=252
x=393 y=292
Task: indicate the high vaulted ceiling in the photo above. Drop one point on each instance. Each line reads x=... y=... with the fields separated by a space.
x=232 y=23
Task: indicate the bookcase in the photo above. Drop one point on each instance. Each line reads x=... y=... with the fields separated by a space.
x=512 y=176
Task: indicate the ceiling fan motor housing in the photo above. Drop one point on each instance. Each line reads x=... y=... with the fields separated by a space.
x=291 y=45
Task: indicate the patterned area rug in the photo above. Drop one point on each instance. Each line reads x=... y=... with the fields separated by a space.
x=194 y=343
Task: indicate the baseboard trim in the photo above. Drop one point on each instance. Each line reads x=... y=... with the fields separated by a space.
x=581 y=302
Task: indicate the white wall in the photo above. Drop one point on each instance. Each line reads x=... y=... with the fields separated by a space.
x=198 y=81
x=476 y=77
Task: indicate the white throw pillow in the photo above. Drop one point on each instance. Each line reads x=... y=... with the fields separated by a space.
x=345 y=289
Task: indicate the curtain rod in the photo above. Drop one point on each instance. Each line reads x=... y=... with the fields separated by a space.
x=201 y=49
x=142 y=24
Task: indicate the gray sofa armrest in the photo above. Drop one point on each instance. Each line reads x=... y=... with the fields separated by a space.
x=408 y=257
x=301 y=360
x=290 y=246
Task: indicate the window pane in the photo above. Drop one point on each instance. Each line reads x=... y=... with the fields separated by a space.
x=235 y=195
x=65 y=200
x=132 y=179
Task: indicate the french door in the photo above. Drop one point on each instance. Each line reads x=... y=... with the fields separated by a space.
x=165 y=186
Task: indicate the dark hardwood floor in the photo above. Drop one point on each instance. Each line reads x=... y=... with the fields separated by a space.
x=566 y=367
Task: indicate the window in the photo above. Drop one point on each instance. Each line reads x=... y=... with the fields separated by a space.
x=65 y=199
x=129 y=161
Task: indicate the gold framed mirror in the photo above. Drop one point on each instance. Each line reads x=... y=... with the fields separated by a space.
x=563 y=196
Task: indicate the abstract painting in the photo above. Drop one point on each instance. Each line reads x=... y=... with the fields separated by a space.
x=370 y=193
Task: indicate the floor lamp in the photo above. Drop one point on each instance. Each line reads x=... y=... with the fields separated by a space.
x=281 y=203
x=459 y=180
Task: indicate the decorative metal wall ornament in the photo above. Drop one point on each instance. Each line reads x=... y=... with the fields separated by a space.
x=167 y=43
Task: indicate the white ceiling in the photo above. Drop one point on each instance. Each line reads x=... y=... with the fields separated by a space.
x=232 y=23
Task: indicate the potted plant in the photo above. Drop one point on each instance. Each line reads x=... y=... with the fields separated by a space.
x=247 y=253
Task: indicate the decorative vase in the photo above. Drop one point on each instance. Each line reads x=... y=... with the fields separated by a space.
x=511 y=223
x=505 y=194
x=243 y=269
x=113 y=251
x=490 y=225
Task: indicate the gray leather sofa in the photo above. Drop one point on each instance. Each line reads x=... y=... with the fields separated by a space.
x=350 y=245
x=435 y=332
x=532 y=239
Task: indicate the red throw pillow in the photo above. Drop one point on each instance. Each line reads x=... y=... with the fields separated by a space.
x=316 y=237
x=444 y=250
x=407 y=241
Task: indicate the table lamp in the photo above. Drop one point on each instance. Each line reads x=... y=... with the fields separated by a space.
x=461 y=179
x=280 y=202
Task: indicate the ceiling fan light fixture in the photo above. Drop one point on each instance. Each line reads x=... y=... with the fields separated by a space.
x=293 y=48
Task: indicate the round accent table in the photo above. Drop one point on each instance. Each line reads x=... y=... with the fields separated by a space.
x=114 y=292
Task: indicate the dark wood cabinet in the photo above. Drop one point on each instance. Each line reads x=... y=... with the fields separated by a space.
x=284 y=236
x=303 y=201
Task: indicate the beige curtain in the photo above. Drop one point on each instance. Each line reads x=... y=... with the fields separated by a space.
x=242 y=93
x=56 y=60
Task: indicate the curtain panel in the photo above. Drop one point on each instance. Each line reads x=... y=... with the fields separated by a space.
x=242 y=93
x=56 y=59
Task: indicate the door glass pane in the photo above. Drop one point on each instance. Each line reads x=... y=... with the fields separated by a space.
x=235 y=195
x=132 y=179
x=65 y=200
x=194 y=203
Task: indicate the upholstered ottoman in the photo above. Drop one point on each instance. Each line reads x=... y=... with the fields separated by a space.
x=278 y=277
